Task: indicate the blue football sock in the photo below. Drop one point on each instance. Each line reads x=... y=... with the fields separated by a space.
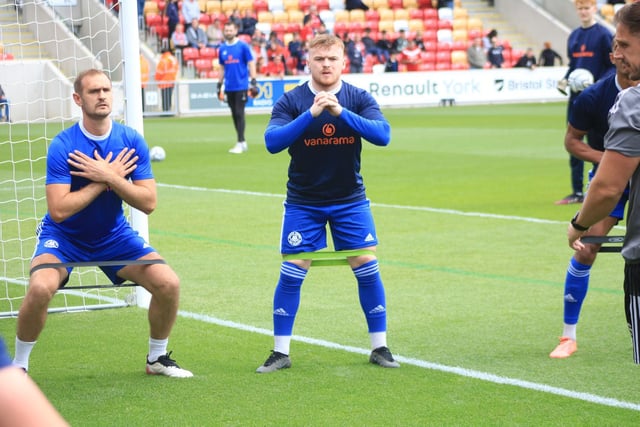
x=286 y=298
x=575 y=290
x=371 y=293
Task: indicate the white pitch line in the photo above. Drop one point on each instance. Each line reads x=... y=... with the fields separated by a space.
x=456 y=370
x=380 y=205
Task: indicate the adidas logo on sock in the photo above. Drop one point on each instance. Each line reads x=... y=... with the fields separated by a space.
x=569 y=298
x=377 y=309
x=280 y=312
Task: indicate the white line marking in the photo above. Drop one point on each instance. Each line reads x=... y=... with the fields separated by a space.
x=456 y=370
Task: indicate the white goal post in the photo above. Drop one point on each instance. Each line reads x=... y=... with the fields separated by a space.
x=51 y=42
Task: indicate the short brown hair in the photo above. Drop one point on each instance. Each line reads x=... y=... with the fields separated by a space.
x=77 y=84
x=629 y=16
x=326 y=40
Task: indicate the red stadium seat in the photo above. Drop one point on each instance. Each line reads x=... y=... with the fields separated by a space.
x=208 y=53
x=190 y=54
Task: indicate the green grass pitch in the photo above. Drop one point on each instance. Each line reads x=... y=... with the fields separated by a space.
x=473 y=254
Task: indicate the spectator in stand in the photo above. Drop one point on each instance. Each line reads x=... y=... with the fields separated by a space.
x=411 y=56
x=494 y=54
x=372 y=49
x=307 y=31
x=392 y=63
x=275 y=68
x=4 y=102
x=442 y=3
x=261 y=67
x=303 y=65
x=3 y=55
x=419 y=39
x=190 y=11
x=384 y=43
x=249 y=22
x=196 y=36
x=528 y=60
x=259 y=44
x=355 y=53
x=322 y=29
x=214 y=34
x=487 y=38
x=166 y=74
x=179 y=39
x=401 y=42
x=173 y=16
x=234 y=16
x=548 y=56
x=313 y=18
x=476 y=55
x=295 y=48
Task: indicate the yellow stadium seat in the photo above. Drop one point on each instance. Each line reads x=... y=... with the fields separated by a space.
x=296 y=16
x=341 y=16
x=386 y=14
x=213 y=6
x=357 y=15
x=460 y=24
x=416 y=25
x=387 y=26
x=150 y=7
x=202 y=4
x=410 y=4
x=245 y=5
x=474 y=24
x=280 y=17
x=460 y=35
x=401 y=14
x=291 y=5
x=459 y=57
x=265 y=16
x=229 y=5
x=460 y=12
x=380 y=4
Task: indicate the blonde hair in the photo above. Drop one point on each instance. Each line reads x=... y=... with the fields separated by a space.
x=325 y=41
x=585 y=3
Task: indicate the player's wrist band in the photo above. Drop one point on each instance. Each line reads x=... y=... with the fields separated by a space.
x=577 y=226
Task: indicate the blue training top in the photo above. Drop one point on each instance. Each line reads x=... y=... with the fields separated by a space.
x=234 y=58
x=105 y=214
x=325 y=151
x=589 y=48
x=590 y=110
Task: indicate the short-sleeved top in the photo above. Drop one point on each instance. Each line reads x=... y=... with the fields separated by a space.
x=234 y=58
x=105 y=213
x=624 y=137
x=590 y=110
x=589 y=48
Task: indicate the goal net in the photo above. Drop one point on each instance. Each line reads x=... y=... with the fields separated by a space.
x=46 y=44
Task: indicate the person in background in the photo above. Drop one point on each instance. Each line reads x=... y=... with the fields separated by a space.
x=190 y=11
x=372 y=49
x=22 y=403
x=249 y=22
x=93 y=168
x=401 y=42
x=476 y=55
x=384 y=43
x=411 y=56
x=494 y=54
x=173 y=16
x=588 y=47
x=179 y=39
x=589 y=115
x=355 y=52
x=548 y=56
x=392 y=64
x=275 y=67
x=618 y=169
x=237 y=76
x=166 y=75
x=196 y=36
x=214 y=34
x=527 y=60
x=4 y=106
x=325 y=186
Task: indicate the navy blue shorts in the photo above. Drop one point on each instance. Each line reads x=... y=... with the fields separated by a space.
x=124 y=244
x=304 y=228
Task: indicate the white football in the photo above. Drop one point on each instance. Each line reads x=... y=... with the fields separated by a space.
x=580 y=79
x=157 y=154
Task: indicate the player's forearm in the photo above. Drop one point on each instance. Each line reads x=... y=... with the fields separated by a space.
x=582 y=151
x=140 y=194
x=62 y=206
x=378 y=132
x=277 y=138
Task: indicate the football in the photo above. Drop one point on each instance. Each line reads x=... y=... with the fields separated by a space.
x=157 y=154
x=580 y=79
